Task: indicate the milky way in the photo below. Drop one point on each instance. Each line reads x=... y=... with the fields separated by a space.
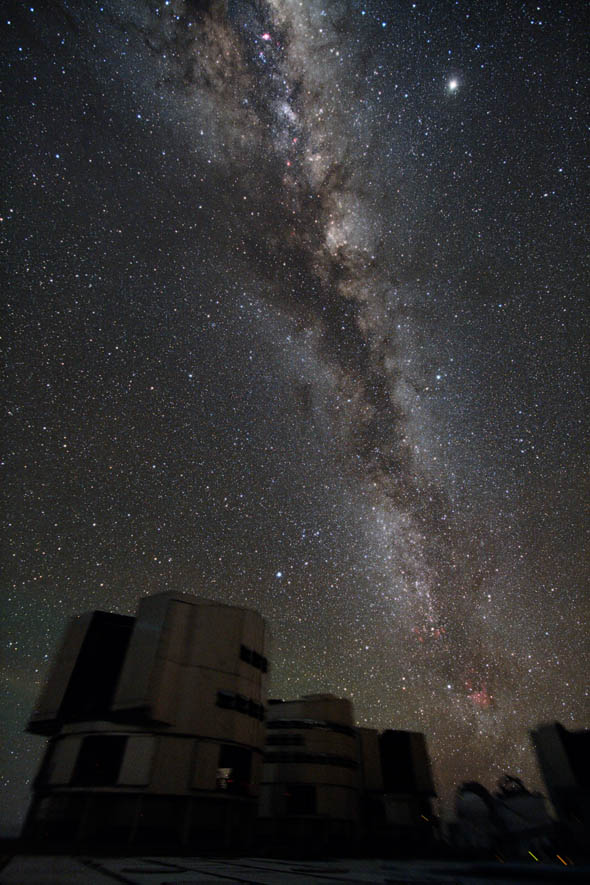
x=296 y=321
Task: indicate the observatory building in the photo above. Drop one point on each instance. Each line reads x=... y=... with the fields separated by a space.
x=155 y=726
x=330 y=786
x=310 y=782
x=160 y=736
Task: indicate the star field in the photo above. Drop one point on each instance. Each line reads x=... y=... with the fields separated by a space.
x=296 y=318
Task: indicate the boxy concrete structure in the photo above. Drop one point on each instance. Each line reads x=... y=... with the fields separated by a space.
x=156 y=727
x=396 y=793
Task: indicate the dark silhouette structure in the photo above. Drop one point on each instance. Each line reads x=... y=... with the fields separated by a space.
x=511 y=823
x=563 y=758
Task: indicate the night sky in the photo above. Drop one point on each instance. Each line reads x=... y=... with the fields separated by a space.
x=295 y=317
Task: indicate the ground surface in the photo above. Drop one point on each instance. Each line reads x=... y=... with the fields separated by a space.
x=47 y=870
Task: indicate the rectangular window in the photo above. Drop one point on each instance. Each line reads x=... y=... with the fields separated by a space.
x=284 y=740
x=99 y=761
x=226 y=699
x=254 y=658
x=285 y=756
x=234 y=770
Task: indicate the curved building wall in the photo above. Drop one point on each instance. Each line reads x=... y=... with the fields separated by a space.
x=310 y=776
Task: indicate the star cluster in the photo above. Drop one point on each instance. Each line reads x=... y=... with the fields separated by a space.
x=295 y=319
